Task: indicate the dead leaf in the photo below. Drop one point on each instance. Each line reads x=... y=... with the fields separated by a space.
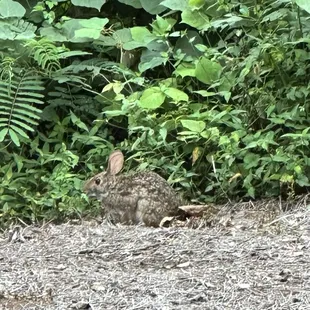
x=194 y=210
x=166 y=220
x=183 y=265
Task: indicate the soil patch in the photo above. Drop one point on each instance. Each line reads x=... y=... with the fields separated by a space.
x=245 y=256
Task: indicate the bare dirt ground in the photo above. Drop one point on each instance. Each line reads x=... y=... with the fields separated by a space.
x=246 y=256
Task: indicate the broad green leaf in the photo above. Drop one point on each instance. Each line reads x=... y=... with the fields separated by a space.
x=176 y=94
x=9 y=8
x=196 y=19
x=251 y=145
x=304 y=4
x=91 y=28
x=153 y=7
x=185 y=69
x=232 y=21
x=279 y=158
x=152 y=98
x=140 y=36
x=175 y=5
x=76 y=30
x=302 y=180
x=14 y=137
x=162 y=25
x=87 y=33
x=196 y=126
x=196 y=3
x=134 y=3
x=140 y=33
x=52 y=34
x=208 y=71
x=3 y=133
x=251 y=160
x=97 y=4
x=154 y=56
x=94 y=23
x=122 y=35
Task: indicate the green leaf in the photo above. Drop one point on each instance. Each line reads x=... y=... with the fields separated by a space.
x=3 y=133
x=185 y=69
x=155 y=55
x=87 y=33
x=205 y=93
x=302 y=180
x=152 y=7
x=19 y=131
x=175 y=5
x=140 y=33
x=19 y=160
x=76 y=30
x=14 y=137
x=152 y=98
x=134 y=3
x=76 y=121
x=97 y=4
x=279 y=158
x=196 y=126
x=91 y=28
x=304 y=4
x=251 y=160
x=9 y=8
x=94 y=23
x=208 y=71
x=72 y=54
x=196 y=3
x=196 y=19
x=140 y=37
x=176 y=94
x=162 y=25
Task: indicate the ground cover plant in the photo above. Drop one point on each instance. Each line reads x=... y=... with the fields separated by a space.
x=211 y=94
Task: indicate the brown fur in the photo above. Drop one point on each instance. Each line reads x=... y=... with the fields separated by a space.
x=142 y=198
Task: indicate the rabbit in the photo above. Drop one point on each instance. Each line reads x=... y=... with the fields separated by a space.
x=141 y=198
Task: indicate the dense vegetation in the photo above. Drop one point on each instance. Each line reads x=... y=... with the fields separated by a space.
x=212 y=94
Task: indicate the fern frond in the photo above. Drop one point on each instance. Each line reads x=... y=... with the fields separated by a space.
x=46 y=54
x=6 y=68
x=16 y=29
x=18 y=97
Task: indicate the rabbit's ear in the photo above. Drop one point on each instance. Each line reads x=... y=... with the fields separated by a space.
x=116 y=161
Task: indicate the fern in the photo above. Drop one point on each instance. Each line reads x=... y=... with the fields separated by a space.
x=16 y=30
x=46 y=54
x=18 y=97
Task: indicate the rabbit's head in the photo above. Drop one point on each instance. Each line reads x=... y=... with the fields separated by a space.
x=98 y=186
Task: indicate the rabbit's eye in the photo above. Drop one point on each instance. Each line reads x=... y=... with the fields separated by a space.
x=97 y=181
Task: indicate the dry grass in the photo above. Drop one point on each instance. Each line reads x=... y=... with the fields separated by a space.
x=246 y=256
